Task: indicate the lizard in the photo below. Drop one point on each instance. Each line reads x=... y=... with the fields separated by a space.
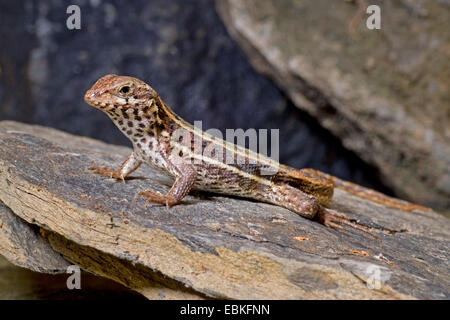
x=191 y=158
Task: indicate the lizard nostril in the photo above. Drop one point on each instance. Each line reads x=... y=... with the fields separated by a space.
x=90 y=96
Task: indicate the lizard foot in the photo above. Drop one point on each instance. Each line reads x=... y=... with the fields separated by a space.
x=157 y=197
x=335 y=220
x=106 y=172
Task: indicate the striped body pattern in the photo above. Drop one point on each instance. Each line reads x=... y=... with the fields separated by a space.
x=198 y=160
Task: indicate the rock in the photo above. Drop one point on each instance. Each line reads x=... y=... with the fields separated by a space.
x=17 y=283
x=179 y=47
x=211 y=246
x=22 y=245
x=384 y=92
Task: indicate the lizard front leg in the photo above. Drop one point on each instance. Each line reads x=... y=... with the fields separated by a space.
x=185 y=179
x=128 y=166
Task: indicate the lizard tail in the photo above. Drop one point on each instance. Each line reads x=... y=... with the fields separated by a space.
x=363 y=192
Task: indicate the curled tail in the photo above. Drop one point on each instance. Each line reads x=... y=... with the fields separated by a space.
x=320 y=188
x=363 y=192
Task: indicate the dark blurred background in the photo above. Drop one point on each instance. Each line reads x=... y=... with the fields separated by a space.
x=181 y=48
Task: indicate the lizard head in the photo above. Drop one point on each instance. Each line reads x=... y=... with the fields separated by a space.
x=119 y=94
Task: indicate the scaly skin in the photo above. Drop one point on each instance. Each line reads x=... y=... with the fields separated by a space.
x=195 y=159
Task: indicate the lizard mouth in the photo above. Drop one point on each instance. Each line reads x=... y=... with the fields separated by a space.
x=92 y=100
x=96 y=103
x=107 y=106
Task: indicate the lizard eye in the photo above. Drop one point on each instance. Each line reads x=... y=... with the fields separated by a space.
x=125 y=90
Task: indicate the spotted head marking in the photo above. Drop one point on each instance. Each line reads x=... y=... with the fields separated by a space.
x=120 y=92
x=131 y=103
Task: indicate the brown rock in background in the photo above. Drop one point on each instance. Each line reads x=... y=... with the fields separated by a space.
x=384 y=93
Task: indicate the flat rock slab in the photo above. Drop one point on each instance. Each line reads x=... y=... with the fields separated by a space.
x=383 y=92
x=24 y=246
x=211 y=246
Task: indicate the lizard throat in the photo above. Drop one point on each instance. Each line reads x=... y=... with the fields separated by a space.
x=135 y=122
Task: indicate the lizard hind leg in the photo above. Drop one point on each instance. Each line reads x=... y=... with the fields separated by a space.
x=363 y=192
x=335 y=220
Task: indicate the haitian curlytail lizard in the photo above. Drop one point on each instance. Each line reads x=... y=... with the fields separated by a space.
x=198 y=160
